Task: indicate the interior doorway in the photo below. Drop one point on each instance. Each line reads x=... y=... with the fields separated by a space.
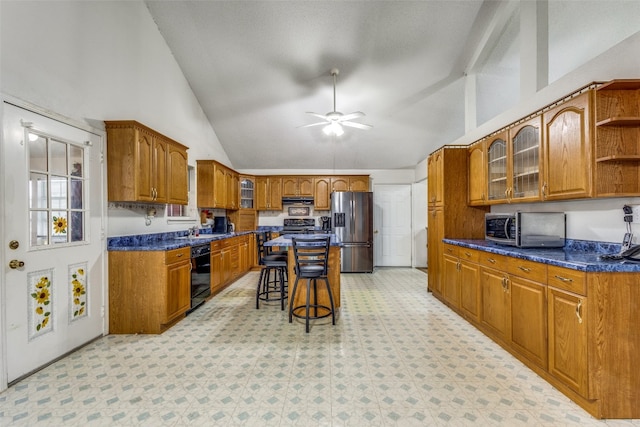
x=392 y=225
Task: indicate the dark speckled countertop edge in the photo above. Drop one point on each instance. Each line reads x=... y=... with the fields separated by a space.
x=578 y=255
x=164 y=241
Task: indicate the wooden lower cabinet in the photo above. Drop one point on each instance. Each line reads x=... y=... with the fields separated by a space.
x=568 y=339
x=470 y=290
x=528 y=334
x=495 y=305
x=216 y=267
x=451 y=280
x=574 y=329
x=148 y=290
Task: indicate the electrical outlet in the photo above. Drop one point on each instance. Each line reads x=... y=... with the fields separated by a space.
x=636 y=213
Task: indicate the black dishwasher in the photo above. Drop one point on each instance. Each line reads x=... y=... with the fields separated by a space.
x=200 y=275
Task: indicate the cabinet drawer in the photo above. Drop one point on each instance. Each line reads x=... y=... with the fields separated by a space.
x=468 y=254
x=531 y=270
x=177 y=255
x=567 y=279
x=451 y=250
x=493 y=260
x=216 y=245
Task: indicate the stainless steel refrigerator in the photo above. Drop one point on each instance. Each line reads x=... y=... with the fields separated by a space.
x=352 y=222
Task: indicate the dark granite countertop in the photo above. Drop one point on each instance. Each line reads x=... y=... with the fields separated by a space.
x=164 y=241
x=285 y=239
x=579 y=255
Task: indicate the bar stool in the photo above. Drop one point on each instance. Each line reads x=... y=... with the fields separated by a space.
x=311 y=263
x=268 y=289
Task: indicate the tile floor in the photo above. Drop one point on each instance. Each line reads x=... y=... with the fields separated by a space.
x=397 y=357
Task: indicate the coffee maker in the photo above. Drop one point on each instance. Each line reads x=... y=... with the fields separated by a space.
x=325 y=221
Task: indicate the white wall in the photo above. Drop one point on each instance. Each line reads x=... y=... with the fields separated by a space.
x=96 y=61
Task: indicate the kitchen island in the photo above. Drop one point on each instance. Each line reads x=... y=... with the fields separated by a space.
x=333 y=273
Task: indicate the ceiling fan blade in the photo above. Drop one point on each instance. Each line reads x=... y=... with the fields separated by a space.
x=312 y=124
x=322 y=116
x=353 y=115
x=357 y=125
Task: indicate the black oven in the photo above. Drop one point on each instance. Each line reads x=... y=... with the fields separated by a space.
x=200 y=275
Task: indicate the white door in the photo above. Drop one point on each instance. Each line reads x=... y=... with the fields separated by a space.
x=392 y=225
x=53 y=257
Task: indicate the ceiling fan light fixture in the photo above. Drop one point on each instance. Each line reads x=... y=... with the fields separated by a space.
x=335 y=119
x=333 y=129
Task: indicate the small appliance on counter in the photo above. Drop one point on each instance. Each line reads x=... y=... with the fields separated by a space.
x=526 y=229
x=325 y=222
x=220 y=224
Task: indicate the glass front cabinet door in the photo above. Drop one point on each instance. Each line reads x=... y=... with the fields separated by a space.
x=247 y=193
x=497 y=168
x=514 y=164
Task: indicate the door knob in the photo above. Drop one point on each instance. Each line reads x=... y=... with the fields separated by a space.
x=14 y=263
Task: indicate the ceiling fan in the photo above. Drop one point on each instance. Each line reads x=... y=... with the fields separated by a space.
x=334 y=120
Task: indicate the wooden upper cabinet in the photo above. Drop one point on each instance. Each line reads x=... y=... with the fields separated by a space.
x=525 y=145
x=350 y=183
x=268 y=193
x=498 y=171
x=204 y=179
x=339 y=183
x=359 y=183
x=233 y=187
x=567 y=149
x=477 y=174
x=177 y=175
x=617 y=141
x=322 y=193
x=217 y=185
x=140 y=166
x=297 y=186
x=247 y=192
x=435 y=187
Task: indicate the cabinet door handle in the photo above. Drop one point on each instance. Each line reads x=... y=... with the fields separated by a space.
x=491 y=260
x=564 y=279
x=525 y=269
x=579 y=311
x=544 y=190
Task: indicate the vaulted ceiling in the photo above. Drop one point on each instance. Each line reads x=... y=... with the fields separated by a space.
x=256 y=67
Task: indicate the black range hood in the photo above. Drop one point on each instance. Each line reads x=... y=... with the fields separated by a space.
x=298 y=200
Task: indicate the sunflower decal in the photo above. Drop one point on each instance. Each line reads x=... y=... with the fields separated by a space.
x=59 y=225
x=78 y=291
x=42 y=298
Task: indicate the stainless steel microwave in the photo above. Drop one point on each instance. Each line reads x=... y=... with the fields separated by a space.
x=526 y=229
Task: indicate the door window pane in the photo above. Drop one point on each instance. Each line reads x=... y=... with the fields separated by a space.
x=39 y=228
x=76 y=160
x=56 y=192
x=37 y=152
x=59 y=227
x=58 y=157
x=38 y=190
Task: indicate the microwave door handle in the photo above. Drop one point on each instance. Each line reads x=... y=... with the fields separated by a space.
x=506 y=228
